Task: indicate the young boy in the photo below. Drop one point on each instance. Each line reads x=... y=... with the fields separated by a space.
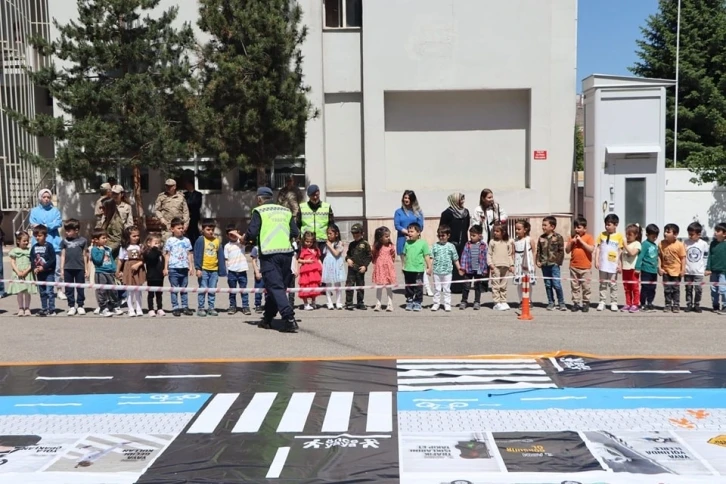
x=236 y=262
x=671 y=265
x=473 y=267
x=209 y=265
x=42 y=257
x=716 y=268
x=417 y=259
x=178 y=258
x=550 y=255
x=445 y=258
x=358 y=257
x=608 y=262
x=581 y=247
x=259 y=283
x=647 y=267
x=696 y=255
x=105 y=270
x=74 y=265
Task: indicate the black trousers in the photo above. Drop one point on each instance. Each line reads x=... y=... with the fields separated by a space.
x=672 y=291
x=154 y=295
x=414 y=293
x=277 y=273
x=477 y=286
x=647 y=291
x=355 y=279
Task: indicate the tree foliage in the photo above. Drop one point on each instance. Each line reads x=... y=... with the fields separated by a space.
x=124 y=80
x=579 y=149
x=702 y=81
x=254 y=103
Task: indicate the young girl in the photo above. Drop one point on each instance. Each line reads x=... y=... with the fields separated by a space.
x=523 y=257
x=310 y=271
x=131 y=268
x=334 y=270
x=384 y=270
x=20 y=262
x=154 y=265
x=500 y=259
x=631 y=279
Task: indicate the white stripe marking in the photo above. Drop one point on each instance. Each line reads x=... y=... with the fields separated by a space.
x=350 y=436
x=210 y=417
x=653 y=371
x=469 y=360
x=534 y=399
x=465 y=366
x=255 y=413
x=52 y=378
x=469 y=372
x=151 y=403
x=445 y=399
x=278 y=463
x=48 y=405
x=158 y=377
x=380 y=416
x=655 y=398
x=556 y=365
x=503 y=386
x=337 y=416
x=474 y=379
x=296 y=413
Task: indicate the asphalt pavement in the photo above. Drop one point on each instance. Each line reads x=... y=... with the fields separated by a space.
x=325 y=333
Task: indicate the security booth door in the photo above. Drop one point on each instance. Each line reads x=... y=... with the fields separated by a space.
x=633 y=188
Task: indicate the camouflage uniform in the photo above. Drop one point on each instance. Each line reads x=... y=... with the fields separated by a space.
x=168 y=207
x=360 y=253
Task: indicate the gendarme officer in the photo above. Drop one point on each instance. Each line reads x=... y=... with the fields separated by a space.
x=272 y=227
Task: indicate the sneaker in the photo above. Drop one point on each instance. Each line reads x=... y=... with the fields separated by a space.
x=308 y=307
x=177 y=313
x=666 y=309
x=232 y=310
x=697 y=309
x=506 y=307
x=42 y=313
x=550 y=306
x=626 y=308
x=477 y=306
x=28 y=313
x=435 y=307
x=389 y=308
x=462 y=305
x=339 y=307
x=97 y=311
x=188 y=312
x=634 y=309
x=258 y=309
x=688 y=309
x=201 y=313
x=361 y=307
x=246 y=311
x=212 y=312
x=106 y=313
x=132 y=313
x=62 y=295
x=118 y=311
x=331 y=307
x=562 y=306
x=349 y=307
x=675 y=309
x=417 y=307
x=80 y=311
x=409 y=306
x=497 y=307
x=601 y=306
x=576 y=307
x=447 y=308
x=21 y=313
x=123 y=302
x=613 y=307
x=72 y=312
x=651 y=308
x=160 y=312
x=152 y=313
x=585 y=308
x=51 y=312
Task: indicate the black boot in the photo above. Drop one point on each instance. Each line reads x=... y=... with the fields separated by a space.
x=265 y=323
x=290 y=326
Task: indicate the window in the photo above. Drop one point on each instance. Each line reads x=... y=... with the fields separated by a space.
x=206 y=179
x=343 y=13
x=123 y=176
x=276 y=177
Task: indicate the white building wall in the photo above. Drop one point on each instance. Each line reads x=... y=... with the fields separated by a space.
x=687 y=201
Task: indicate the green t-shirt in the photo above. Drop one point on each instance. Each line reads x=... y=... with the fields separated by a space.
x=415 y=253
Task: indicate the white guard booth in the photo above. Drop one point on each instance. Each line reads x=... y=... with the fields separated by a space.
x=624 y=150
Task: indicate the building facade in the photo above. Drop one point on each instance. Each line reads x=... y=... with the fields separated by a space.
x=437 y=96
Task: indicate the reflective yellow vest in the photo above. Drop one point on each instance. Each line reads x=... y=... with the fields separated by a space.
x=316 y=222
x=274 y=235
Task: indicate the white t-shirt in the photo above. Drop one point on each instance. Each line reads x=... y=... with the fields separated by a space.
x=696 y=255
x=630 y=260
x=234 y=254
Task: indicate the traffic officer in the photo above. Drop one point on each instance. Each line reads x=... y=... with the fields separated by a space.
x=169 y=205
x=273 y=228
x=316 y=216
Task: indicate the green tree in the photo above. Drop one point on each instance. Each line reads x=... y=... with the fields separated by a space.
x=124 y=83
x=254 y=102
x=579 y=149
x=702 y=80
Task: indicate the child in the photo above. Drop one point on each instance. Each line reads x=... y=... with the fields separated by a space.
x=209 y=264
x=131 y=270
x=647 y=267
x=716 y=268
x=310 y=270
x=550 y=255
x=178 y=258
x=696 y=255
x=23 y=270
x=334 y=268
x=633 y=236
x=607 y=261
x=523 y=257
x=581 y=247
x=105 y=268
x=417 y=259
x=473 y=267
x=672 y=266
x=358 y=258
x=74 y=265
x=445 y=259
x=42 y=256
x=259 y=283
x=236 y=262
x=384 y=269
x=500 y=259
x=154 y=264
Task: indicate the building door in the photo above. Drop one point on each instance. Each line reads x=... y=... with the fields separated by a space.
x=633 y=192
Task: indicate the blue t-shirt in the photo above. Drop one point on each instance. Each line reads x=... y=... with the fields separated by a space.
x=178 y=250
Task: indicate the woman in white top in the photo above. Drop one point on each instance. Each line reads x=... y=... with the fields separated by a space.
x=487 y=213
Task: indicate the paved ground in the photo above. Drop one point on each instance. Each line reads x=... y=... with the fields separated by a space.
x=359 y=333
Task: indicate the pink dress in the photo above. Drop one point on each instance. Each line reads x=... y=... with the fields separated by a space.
x=384 y=269
x=310 y=274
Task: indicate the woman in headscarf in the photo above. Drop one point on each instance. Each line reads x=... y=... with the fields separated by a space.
x=487 y=213
x=49 y=216
x=408 y=213
x=457 y=218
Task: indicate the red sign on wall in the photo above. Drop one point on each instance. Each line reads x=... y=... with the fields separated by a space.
x=540 y=154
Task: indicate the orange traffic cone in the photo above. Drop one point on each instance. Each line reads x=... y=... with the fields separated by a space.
x=525 y=314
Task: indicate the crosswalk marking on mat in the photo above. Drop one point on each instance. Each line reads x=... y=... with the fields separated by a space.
x=298 y=407
x=471 y=374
